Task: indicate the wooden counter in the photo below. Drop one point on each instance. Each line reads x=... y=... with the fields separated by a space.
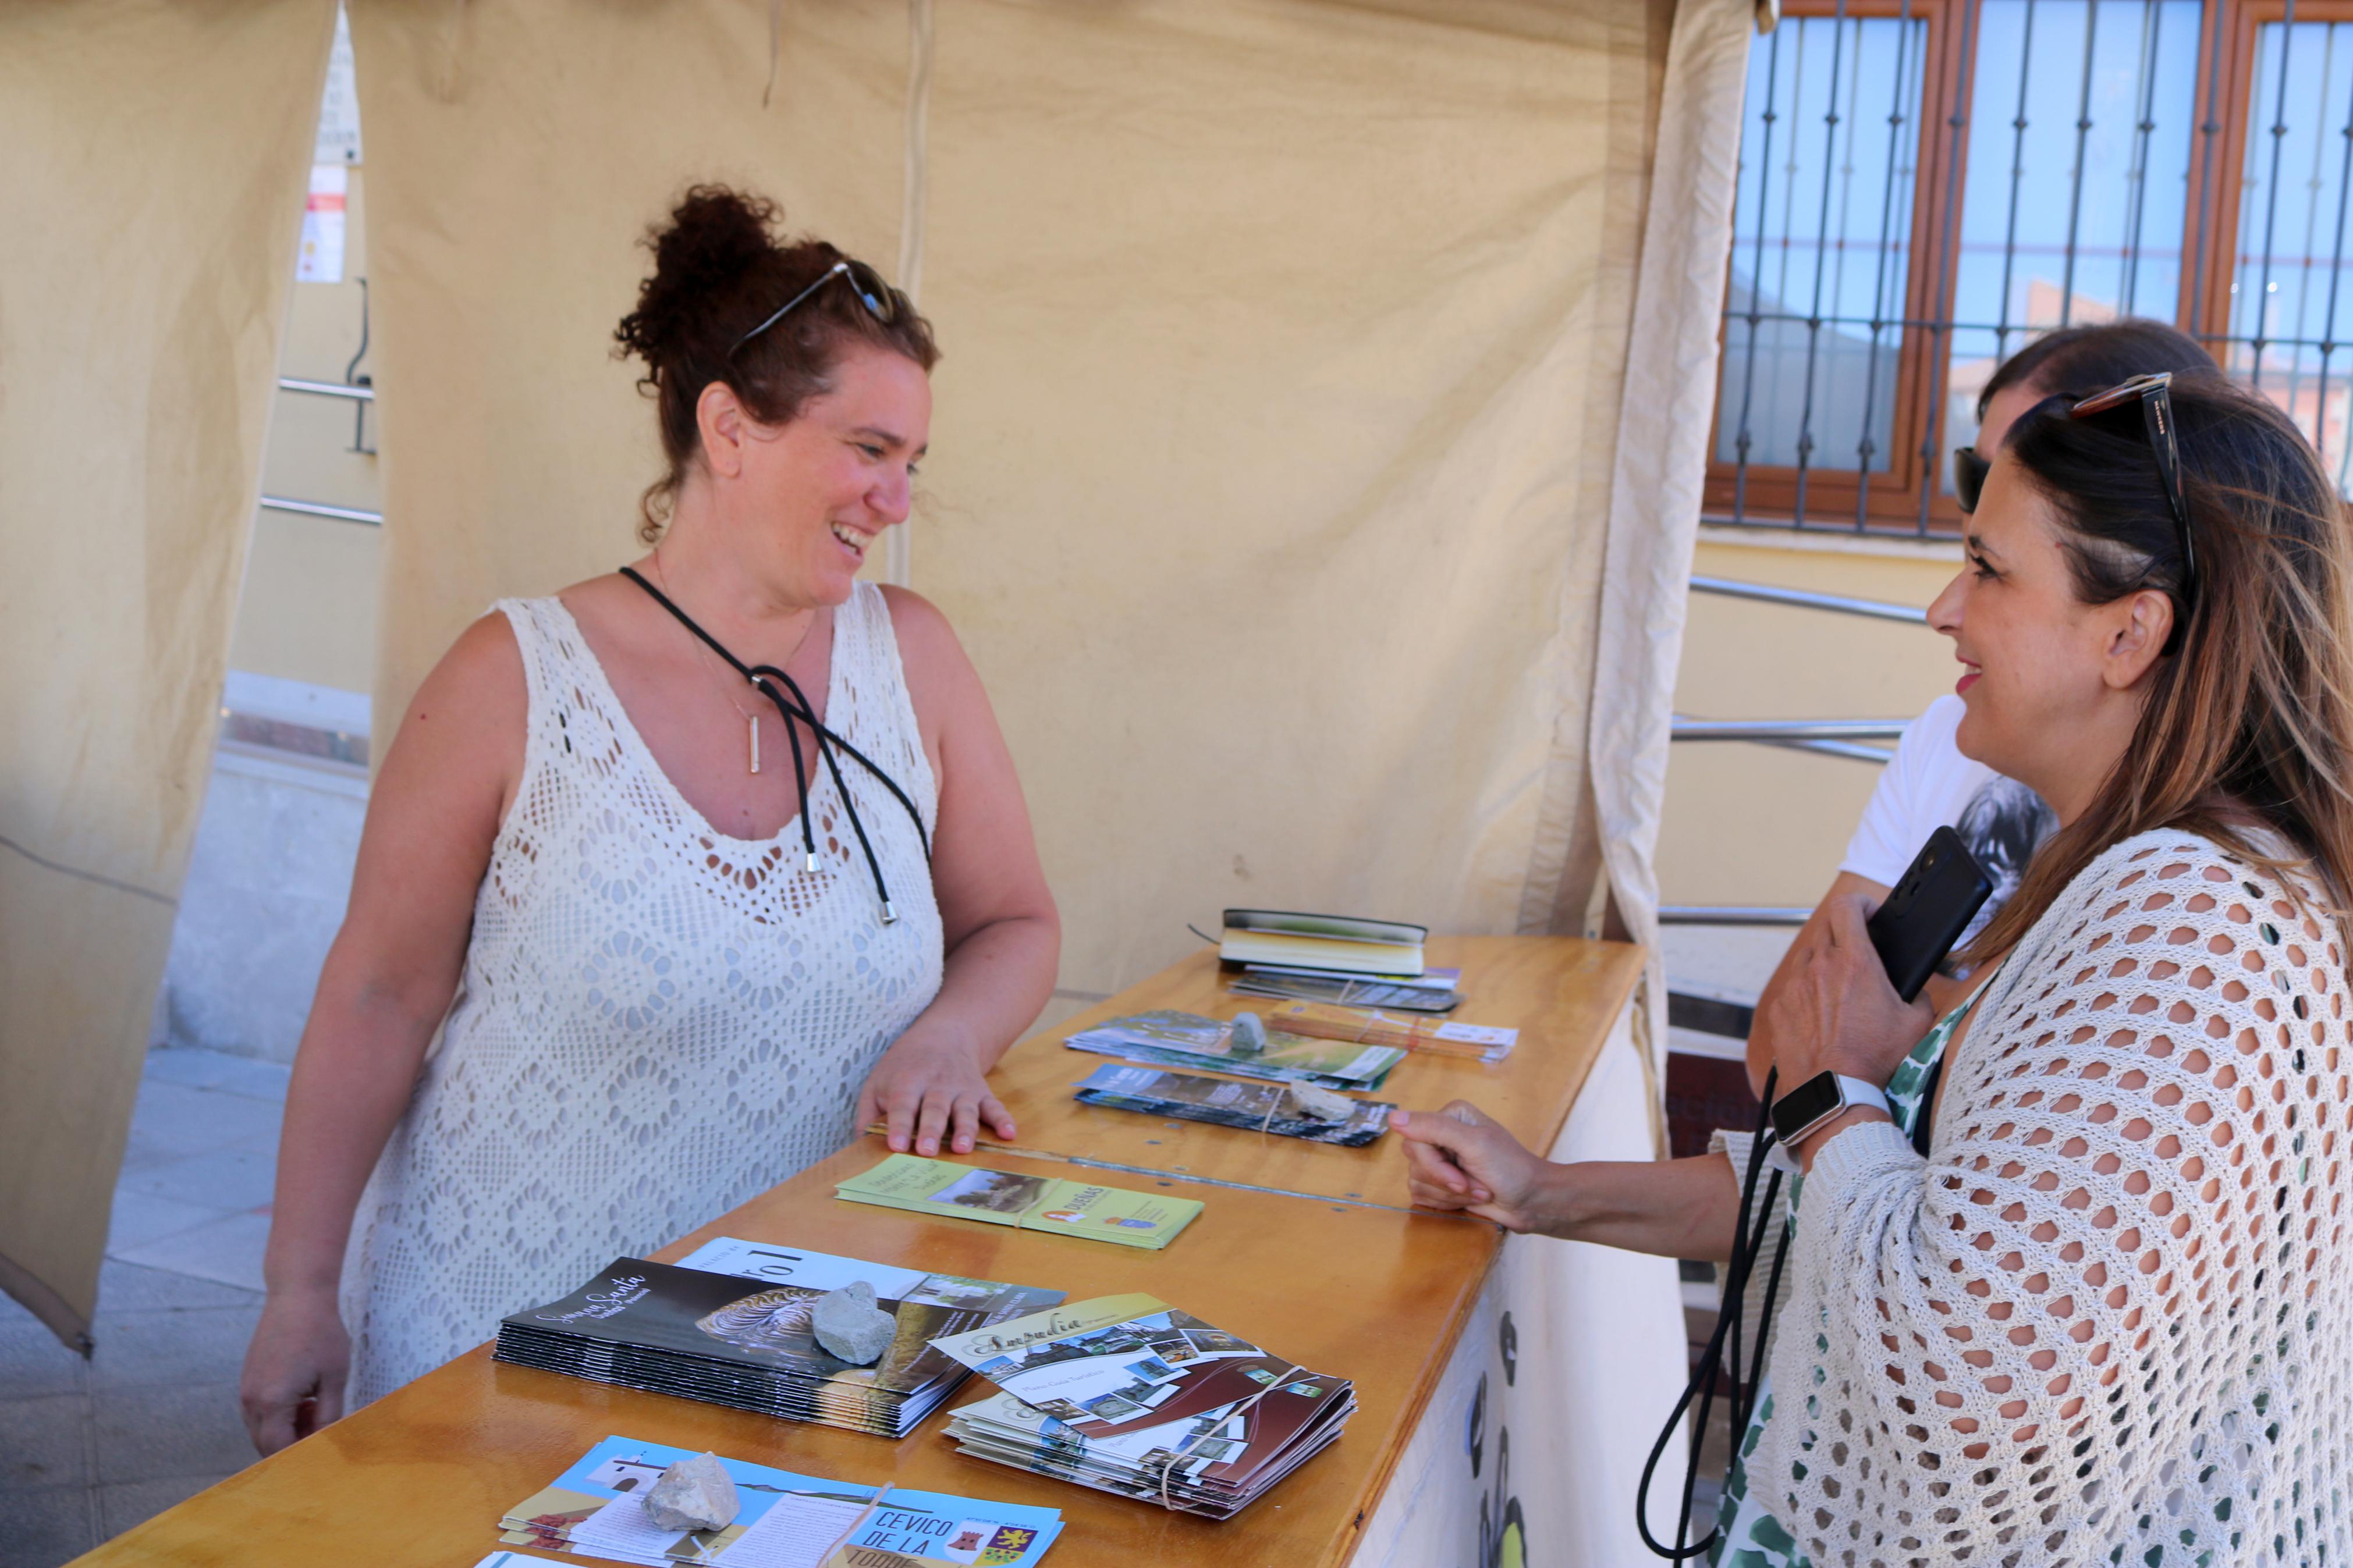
x=422 y=1476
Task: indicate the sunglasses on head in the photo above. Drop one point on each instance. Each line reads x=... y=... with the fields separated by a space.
x=2155 y=394
x=882 y=302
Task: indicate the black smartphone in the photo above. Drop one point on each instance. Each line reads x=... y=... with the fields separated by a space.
x=1940 y=892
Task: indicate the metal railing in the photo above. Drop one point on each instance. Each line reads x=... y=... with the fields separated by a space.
x=1825 y=737
x=322 y=508
x=1734 y=915
x=327 y=389
x=347 y=392
x=1763 y=592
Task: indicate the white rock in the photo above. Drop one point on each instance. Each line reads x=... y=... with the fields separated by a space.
x=1318 y=1104
x=696 y=1493
x=848 y=1324
x=1249 y=1035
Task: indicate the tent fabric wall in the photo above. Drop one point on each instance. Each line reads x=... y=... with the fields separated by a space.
x=156 y=168
x=516 y=152
x=1659 y=465
x=1271 y=465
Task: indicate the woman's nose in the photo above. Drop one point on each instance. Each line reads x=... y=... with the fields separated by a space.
x=1944 y=610
x=890 y=498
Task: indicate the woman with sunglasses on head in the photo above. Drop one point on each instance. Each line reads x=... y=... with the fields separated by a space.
x=697 y=868
x=1929 y=784
x=2068 y=1272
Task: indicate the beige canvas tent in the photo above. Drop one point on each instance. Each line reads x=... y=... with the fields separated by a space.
x=1314 y=472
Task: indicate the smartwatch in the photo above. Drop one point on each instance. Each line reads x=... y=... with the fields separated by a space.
x=1819 y=1098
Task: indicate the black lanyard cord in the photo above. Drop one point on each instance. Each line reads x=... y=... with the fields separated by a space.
x=798 y=709
x=825 y=742
x=1747 y=1240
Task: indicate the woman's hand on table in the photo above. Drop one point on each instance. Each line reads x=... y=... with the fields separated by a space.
x=1840 y=1014
x=1462 y=1159
x=929 y=1092
x=293 y=1379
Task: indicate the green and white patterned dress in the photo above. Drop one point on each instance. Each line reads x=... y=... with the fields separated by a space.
x=1747 y=1536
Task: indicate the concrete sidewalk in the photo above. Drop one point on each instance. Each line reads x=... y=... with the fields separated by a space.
x=89 y=1448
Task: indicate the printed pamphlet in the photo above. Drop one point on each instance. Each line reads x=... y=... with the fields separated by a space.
x=1027 y=1202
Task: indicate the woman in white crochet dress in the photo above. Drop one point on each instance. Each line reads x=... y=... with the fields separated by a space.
x=2103 y=1313
x=681 y=931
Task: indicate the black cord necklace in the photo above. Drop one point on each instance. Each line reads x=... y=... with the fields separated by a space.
x=765 y=678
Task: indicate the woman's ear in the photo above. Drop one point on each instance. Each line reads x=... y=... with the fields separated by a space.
x=2137 y=637
x=719 y=416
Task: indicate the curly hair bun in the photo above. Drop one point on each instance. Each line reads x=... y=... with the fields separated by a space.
x=716 y=238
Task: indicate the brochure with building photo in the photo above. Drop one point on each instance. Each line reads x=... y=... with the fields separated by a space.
x=1085 y=1209
x=1168 y=1038
x=747 y=1342
x=1251 y=1107
x=1134 y=1396
x=597 y=1509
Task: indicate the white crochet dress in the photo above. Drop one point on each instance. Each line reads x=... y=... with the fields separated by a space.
x=656 y=1021
x=2108 y=1320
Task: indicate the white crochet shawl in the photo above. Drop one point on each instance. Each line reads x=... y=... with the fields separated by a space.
x=2108 y=1318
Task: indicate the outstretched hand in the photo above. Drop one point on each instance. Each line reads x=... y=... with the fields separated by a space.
x=1462 y=1159
x=927 y=1090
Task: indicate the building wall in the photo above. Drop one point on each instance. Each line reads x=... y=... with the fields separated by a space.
x=1746 y=824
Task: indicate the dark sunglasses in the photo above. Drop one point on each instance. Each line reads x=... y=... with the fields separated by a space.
x=2155 y=394
x=1970 y=472
x=882 y=302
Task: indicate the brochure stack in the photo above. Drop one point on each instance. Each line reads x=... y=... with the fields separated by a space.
x=746 y=1342
x=1128 y=1395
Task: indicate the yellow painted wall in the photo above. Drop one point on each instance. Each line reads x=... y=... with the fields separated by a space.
x=1746 y=824
x=309 y=609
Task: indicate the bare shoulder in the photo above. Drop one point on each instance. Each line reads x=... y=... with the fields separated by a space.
x=467 y=717
x=928 y=648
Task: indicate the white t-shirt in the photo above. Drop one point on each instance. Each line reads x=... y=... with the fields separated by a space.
x=1930 y=786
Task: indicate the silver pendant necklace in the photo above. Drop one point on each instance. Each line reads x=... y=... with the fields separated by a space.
x=751 y=716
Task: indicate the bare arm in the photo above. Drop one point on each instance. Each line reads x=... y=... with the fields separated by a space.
x=432 y=818
x=1460 y=1159
x=1001 y=932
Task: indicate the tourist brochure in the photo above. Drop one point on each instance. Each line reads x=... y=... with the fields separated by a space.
x=1254 y=1107
x=1168 y=1038
x=1368 y=1027
x=1085 y=1209
x=1128 y=1395
x=1433 y=990
x=597 y=1509
x=747 y=1342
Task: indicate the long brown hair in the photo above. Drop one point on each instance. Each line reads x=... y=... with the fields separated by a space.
x=719 y=271
x=2252 y=717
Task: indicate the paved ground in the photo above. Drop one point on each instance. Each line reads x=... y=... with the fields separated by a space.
x=89 y=1448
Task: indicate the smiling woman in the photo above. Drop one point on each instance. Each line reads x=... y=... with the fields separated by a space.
x=2068 y=1273
x=697 y=868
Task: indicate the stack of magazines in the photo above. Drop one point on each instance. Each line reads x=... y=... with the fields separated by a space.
x=731 y=1326
x=1127 y=1394
x=597 y=1509
x=1172 y=1039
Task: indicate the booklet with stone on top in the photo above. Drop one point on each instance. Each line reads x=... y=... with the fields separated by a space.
x=1284 y=1110
x=782 y=1331
x=1190 y=1041
x=1085 y=1209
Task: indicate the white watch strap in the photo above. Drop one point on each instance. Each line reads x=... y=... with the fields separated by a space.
x=1859 y=1093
